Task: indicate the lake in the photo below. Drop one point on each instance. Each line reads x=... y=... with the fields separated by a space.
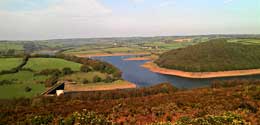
x=142 y=77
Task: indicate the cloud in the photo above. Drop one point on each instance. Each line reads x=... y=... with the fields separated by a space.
x=66 y=18
x=167 y=3
x=91 y=18
x=228 y=1
x=137 y=1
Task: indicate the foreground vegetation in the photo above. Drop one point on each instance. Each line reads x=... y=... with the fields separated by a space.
x=226 y=102
x=215 y=55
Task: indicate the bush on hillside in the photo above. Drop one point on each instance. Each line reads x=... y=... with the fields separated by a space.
x=48 y=72
x=97 y=79
x=85 y=68
x=67 y=71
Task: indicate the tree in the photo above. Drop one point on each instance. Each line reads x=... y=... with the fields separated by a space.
x=97 y=79
x=85 y=81
x=67 y=71
x=108 y=79
x=27 y=89
x=85 y=68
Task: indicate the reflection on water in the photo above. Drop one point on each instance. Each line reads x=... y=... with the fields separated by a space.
x=143 y=77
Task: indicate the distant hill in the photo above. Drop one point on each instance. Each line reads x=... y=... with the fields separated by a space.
x=215 y=55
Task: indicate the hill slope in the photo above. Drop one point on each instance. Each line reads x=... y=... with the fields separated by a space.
x=215 y=55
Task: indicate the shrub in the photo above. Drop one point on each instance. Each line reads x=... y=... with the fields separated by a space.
x=42 y=120
x=226 y=119
x=47 y=72
x=67 y=71
x=6 y=82
x=109 y=79
x=27 y=89
x=96 y=79
x=85 y=68
x=86 y=118
x=85 y=81
x=250 y=107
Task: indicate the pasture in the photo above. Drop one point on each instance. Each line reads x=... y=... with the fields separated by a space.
x=9 y=63
x=38 y=64
x=11 y=45
x=14 y=85
x=20 y=81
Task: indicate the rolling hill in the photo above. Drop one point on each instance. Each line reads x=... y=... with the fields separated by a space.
x=212 y=56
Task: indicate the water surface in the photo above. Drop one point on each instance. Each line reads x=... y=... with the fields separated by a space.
x=133 y=72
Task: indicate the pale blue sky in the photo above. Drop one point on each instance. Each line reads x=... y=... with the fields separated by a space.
x=46 y=19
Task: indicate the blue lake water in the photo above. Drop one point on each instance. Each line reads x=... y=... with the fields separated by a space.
x=133 y=72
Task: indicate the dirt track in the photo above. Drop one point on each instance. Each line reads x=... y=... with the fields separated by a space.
x=72 y=87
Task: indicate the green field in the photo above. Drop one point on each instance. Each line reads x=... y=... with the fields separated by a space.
x=9 y=45
x=21 y=80
x=216 y=55
x=38 y=64
x=9 y=63
x=245 y=41
x=24 y=79
x=103 y=49
x=80 y=76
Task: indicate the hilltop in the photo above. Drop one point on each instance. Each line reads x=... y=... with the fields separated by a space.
x=215 y=55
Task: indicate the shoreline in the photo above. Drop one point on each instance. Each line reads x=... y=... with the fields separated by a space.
x=107 y=54
x=99 y=87
x=199 y=75
x=137 y=59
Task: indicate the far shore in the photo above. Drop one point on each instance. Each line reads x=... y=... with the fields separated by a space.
x=137 y=59
x=109 y=54
x=199 y=75
x=99 y=87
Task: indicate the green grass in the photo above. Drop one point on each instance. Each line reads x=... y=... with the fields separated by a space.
x=80 y=76
x=22 y=79
x=7 y=45
x=216 y=55
x=9 y=63
x=245 y=41
x=38 y=64
x=162 y=46
x=85 y=52
x=102 y=49
x=17 y=90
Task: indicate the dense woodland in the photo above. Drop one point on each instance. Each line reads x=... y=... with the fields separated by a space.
x=215 y=55
x=226 y=102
